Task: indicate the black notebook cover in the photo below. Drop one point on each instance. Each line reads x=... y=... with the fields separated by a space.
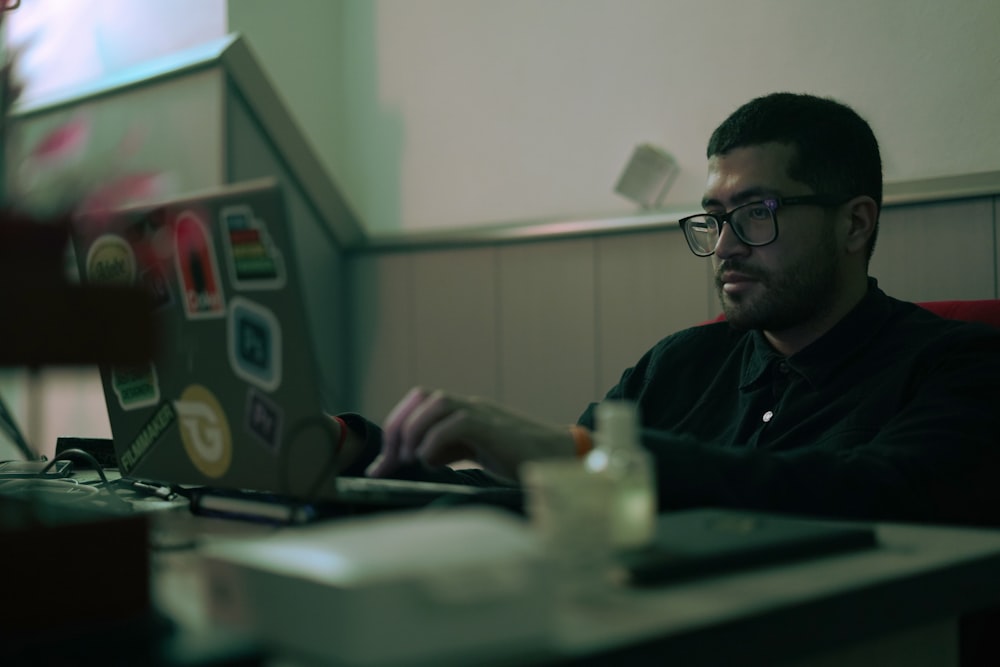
x=703 y=542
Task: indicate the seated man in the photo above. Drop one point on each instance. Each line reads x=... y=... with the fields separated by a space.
x=818 y=394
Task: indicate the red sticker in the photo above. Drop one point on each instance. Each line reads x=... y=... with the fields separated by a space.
x=197 y=268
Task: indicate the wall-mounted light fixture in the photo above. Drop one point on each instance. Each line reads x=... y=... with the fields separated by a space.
x=647 y=176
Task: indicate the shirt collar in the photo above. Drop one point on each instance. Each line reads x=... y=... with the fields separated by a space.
x=821 y=358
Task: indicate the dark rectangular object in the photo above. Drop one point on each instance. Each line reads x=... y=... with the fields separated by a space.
x=69 y=567
x=697 y=543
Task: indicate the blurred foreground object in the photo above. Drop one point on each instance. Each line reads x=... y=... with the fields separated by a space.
x=50 y=321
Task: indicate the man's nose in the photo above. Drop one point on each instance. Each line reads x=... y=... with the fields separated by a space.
x=728 y=244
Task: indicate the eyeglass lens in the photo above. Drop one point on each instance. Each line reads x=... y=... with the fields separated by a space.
x=753 y=224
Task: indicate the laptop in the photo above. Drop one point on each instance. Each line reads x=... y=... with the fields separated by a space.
x=233 y=399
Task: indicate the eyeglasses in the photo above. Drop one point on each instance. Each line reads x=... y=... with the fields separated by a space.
x=755 y=224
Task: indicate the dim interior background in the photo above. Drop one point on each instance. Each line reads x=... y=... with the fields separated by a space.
x=452 y=163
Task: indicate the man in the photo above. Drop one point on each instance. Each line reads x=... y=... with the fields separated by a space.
x=819 y=394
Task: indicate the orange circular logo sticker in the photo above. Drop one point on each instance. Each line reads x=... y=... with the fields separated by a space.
x=204 y=431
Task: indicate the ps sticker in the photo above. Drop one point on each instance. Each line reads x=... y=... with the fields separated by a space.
x=253 y=259
x=197 y=268
x=135 y=386
x=110 y=259
x=254 y=343
x=204 y=431
x=264 y=419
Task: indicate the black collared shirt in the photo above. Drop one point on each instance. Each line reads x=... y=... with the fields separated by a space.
x=892 y=414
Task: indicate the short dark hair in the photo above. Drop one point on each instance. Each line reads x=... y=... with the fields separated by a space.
x=835 y=149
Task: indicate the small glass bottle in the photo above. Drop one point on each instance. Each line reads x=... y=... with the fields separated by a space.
x=619 y=455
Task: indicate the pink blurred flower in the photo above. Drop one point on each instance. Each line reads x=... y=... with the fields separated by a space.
x=64 y=143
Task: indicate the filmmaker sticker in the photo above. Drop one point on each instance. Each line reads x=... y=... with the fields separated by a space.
x=161 y=420
x=254 y=343
x=263 y=419
x=197 y=268
x=135 y=386
x=204 y=431
x=110 y=259
x=254 y=261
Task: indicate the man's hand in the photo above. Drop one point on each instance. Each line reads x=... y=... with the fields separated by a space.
x=436 y=429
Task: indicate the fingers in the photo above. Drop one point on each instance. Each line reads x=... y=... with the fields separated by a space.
x=390 y=457
x=430 y=414
x=446 y=441
x=393 y=430
x=407 y=426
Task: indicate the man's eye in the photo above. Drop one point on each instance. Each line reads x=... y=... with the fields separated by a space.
x=760 y=212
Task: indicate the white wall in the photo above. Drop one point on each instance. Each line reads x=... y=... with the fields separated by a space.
x=454 y=113
x=444 y=113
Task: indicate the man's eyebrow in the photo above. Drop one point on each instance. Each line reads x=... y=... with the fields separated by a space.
x=742 y=197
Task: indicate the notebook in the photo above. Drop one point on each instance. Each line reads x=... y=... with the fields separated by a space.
x=233 y=398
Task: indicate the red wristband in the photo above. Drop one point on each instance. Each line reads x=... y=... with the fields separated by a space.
x=343 y=433
x=582 y=440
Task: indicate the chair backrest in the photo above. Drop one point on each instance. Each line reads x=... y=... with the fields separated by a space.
x=986 y=311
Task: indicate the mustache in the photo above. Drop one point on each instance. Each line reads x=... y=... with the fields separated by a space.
x=738 y=267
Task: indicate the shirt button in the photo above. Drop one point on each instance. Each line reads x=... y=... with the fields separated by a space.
x=767 y=416
x=783 y=367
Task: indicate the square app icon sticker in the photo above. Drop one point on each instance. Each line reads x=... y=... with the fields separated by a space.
x=263 y=419
x=254 y=343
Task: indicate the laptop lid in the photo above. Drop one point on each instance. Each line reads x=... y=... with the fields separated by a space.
x=232 y=399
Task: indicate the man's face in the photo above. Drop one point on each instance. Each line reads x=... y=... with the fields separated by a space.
x=783 y=284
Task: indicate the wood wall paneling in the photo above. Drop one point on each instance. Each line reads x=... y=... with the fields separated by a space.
x=547 y=320
x=381 y=331
x=455 y=332
x=648 y=285
x=937 y=251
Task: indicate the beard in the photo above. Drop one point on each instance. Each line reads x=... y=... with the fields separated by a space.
x=790 y=296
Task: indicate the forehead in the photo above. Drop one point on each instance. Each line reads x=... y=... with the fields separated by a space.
x=749 y=172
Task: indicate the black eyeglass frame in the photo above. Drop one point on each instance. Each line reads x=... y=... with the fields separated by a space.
x=772 y=204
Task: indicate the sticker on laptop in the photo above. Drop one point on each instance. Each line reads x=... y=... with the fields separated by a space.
x=135 y=386
x=253 y=259
x=204 y=431
x=263 y=419
x=110 y=259
x=254 y=342
x=154 y=279
x=152 y=431
x=197 y=268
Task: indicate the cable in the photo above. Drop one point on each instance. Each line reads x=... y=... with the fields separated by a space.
x=64 y=486
x=69 y=454
x=106 y=485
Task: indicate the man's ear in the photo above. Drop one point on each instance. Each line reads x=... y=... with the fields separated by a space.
x=862 y=213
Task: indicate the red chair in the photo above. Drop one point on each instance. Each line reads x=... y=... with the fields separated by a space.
x=986 y=311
